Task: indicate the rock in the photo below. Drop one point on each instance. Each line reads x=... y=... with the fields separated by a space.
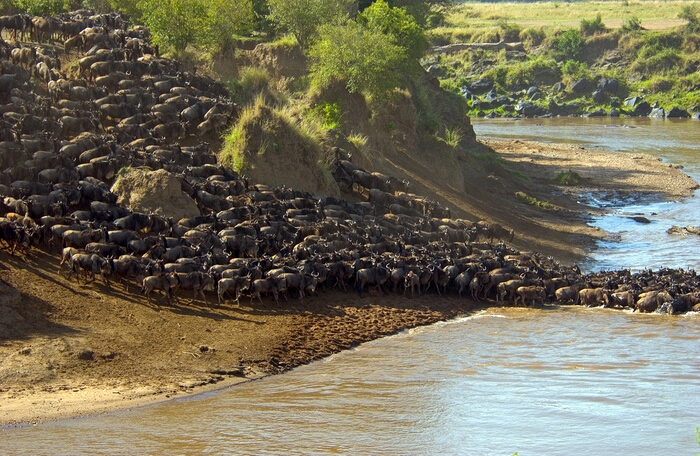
x=492 y=95
x=631 y=102
x=558 y=87
x=600 y=112
x=642 y=109
x=158 y=192
x=536 y=96
x=86 y=355
x=581 y=86
x=466 y=93
x=436 y=71
x=480 y=86
x=614 y=102
x=491 y=115
x=529 y=109
x=532 y=90
x=599 y=96
x=614 y=113
x=678 y=113
x=640 y=219
x=609 y=85
x=655 y=105
x=657 y=113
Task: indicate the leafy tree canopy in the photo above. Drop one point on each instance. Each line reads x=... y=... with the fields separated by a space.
x=366 y=60
x=396 y=23
x=303 y=17
x=175 y=24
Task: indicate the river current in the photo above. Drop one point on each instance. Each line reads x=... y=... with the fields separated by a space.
x=551 y=381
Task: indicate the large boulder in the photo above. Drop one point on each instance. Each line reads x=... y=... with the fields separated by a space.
x=658 y=113
x=581 y=86
x=158 y=192
x=676 y=112
x=609 y=85
x=480 y=86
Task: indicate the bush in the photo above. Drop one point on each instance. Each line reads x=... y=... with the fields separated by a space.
x=396 y=23
x=592 y=26
x=532 y=37
x=365 y=60
x=691 y=13
x=661 y=62
x=575 y=70
x=569 y=44
x=535 y=71
x=509 y=32
x=632 y=24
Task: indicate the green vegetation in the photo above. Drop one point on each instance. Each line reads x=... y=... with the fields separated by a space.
x=653 y=63
x=532 y=201
x=568 y=178
x=303 y=17
x=365 y=60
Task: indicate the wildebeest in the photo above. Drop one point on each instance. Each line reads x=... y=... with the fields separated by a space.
x=533 y=293
x=90 y=264
x=233 y=284
x=375 y=275
x=165 y=282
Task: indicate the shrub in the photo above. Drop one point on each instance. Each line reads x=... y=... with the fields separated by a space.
x=575 y=70
x=535 y=71
x=365 y=60
x=330 y=114
x=662 y=62
x=632 y=24
x=532 y=37
x=568 y=178
x=691 y=13
x=396 y=23
x=509 y=32
x=569 y=44
x=590 y=27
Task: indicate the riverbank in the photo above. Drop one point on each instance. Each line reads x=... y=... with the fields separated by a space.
x=69 y=350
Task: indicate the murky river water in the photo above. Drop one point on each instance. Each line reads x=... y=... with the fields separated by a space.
x=540 y=382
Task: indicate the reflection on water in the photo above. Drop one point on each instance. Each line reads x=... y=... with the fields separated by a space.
x=632 y=245
x=549 y=381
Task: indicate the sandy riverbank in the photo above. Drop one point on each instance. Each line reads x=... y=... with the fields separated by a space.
x=69 y=350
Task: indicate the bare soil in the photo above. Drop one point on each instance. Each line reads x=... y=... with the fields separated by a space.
x=69 y=349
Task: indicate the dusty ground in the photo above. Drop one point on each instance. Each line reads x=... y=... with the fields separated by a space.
x=68 y=349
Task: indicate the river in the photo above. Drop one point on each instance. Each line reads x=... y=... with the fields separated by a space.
x=551 y=381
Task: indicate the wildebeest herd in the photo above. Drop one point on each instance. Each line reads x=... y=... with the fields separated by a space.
x=63 y=140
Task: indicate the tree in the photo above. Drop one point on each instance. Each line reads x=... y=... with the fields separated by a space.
x=303 y=17
x=226 y=20
x=366 y=60
x=175 y=24
x=396 y=23
x=421 y=10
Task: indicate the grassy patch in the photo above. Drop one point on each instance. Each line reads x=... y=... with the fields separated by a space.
x=522 y=196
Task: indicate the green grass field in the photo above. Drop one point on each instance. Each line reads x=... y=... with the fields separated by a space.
x=654 y=15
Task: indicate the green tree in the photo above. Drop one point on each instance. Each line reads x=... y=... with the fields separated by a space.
x=174 y=24
x=396 y=23
x=43 y=7
x=226 y=20
x=365 y=60
x=422 y=10
x=303 y=17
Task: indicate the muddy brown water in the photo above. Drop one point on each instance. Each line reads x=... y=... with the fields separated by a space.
x=550 y=381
